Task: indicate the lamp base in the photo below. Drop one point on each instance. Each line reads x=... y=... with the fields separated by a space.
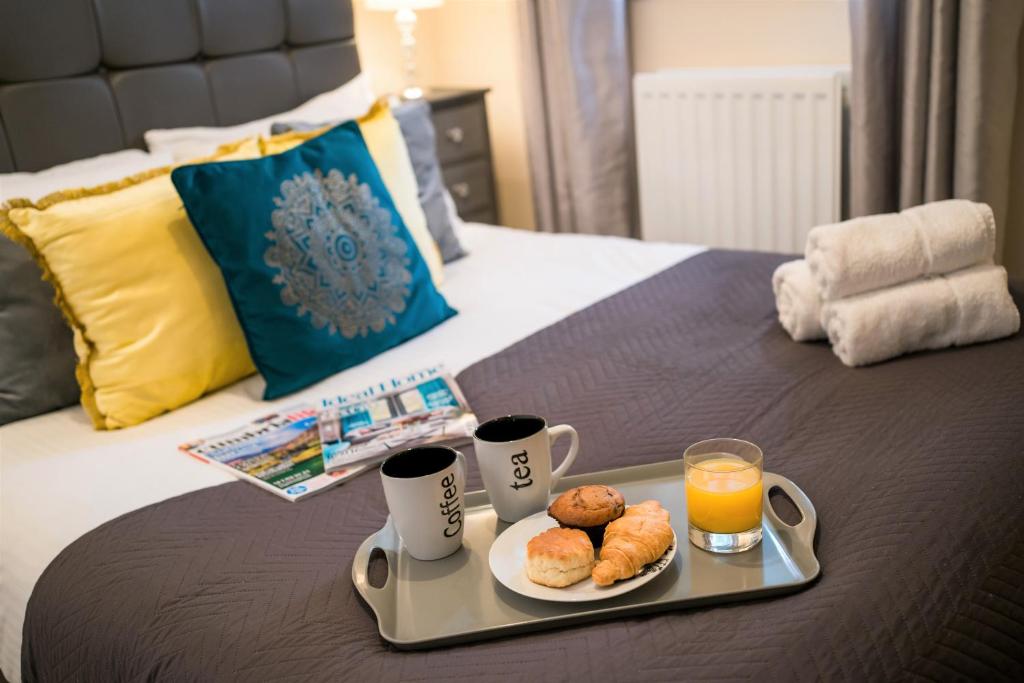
x=405 y=19
x=412 y=92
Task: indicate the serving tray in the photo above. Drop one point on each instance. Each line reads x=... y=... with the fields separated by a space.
x=456 y=599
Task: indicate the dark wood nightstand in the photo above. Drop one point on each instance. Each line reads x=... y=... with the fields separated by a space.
x=464 y=150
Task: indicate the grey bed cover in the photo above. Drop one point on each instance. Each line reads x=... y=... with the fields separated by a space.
x=914 y=466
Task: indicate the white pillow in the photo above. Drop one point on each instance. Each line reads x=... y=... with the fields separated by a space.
x=349 y=101
x=82 y=173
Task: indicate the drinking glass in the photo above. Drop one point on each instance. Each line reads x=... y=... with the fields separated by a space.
x=724 y=494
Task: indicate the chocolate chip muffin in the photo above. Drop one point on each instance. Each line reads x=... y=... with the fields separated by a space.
x=589 y=509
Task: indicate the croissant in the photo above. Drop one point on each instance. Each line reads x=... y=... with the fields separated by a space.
x=640 y=536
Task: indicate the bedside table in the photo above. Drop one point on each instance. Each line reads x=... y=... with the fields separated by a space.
x=464 y=150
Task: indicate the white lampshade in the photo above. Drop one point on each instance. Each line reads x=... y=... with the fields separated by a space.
x=395 y=5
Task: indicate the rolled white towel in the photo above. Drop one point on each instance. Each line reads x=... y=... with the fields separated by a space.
x=872 y=252
x=960 y=308
x=797 y=300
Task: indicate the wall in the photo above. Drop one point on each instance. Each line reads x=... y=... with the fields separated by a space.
x=464 y=43
x=688 y=33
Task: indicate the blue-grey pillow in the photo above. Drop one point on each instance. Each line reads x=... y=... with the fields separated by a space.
x=322 y=272
x=418 y=132
x=36 y=351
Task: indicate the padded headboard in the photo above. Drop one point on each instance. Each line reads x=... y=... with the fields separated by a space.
x=85 y=77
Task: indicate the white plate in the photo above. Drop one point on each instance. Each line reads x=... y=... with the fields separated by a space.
x=508 y=564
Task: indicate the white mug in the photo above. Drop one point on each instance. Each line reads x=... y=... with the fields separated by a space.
x=424 y=490
x=514 y=456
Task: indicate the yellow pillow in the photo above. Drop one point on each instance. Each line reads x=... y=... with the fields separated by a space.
x=384 y=139
x=153 y=325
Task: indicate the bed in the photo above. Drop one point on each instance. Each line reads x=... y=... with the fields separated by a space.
x=61 y=478
x=124 y=559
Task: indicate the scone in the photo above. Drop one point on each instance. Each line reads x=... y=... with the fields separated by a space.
x=559 y=557
x=589 y=509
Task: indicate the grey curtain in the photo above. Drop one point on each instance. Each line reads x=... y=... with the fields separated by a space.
x=935 y=93
x=578 y=109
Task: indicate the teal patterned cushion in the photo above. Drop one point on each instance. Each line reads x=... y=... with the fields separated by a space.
x=322 y=272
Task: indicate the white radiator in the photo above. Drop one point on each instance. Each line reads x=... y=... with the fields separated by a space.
x=744 y=159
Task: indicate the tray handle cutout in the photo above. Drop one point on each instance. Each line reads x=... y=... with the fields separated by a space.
x=377 y=569
x=784 y=507
x=804 y=529
x=373 y=569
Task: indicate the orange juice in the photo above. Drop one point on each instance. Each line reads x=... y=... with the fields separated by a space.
x=724 y=495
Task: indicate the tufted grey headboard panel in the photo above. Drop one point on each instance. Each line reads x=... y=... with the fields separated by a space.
x=85 y=77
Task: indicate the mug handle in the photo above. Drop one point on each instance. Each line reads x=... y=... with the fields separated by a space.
x=554 y=433
x=460 y=459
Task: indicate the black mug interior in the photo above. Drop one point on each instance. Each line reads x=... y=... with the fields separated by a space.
x=509 y=428
x=418 y=462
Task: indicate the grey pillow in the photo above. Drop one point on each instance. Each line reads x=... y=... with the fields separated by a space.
x=37 y=357
x=418 y=132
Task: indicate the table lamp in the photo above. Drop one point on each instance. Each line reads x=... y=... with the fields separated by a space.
x=405 y=19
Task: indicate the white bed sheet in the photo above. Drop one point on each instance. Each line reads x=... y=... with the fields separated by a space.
x=59 y=478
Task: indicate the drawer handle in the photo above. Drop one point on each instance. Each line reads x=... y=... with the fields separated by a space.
x=455 y=134
x=461 y=190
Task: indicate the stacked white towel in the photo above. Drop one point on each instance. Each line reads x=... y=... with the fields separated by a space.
x=964 y=307
x=868 y=253
x=798 y=302
x=882 y=286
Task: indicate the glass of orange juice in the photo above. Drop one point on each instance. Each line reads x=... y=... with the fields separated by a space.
x=724 y=494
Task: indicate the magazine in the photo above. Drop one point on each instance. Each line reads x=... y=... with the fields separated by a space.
x=279 y=452
x=421 y=408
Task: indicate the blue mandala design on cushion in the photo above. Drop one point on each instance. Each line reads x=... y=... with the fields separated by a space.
x=338 y=254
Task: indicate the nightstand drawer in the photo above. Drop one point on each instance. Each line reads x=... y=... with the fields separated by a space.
x=470 y=185
x=461 y=132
